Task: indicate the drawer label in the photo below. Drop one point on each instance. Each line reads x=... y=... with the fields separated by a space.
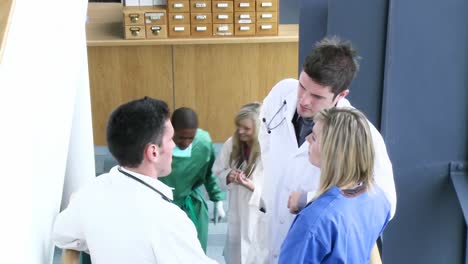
x=200 y=17
x=178 y=29
x=200 y=28
x=244 y=4
x=223 y=16
x=267 y=15
x=154 y=16
x=200 y=5
x=267 y=4
x=179 y=17
x=179 y=5
x=223 y=28
x=266 y=26
x=222 y=5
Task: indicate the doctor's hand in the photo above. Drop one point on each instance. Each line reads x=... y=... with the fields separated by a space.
x=232 y=176
x=246 y=182
x=293 y=202
x=218 y=212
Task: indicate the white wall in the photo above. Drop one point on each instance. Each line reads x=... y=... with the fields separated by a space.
x=45 y=122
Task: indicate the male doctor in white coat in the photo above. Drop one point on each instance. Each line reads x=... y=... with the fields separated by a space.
x=127 y=215
x=287 y=112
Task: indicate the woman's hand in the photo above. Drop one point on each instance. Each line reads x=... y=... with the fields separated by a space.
x=232 y=176
x=244 y=181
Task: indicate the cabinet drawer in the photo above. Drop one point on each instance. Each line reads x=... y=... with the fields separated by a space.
x=267 y=29
x=223 y=18
x=178 y=6
x=155 y=18
x=134 y=32
x=244 y=5
x=179 y=18
x=223 y=30
x=267 y=17
x=200 y=6
x=176 y=31
x=222 y=6
x=244 y=30
x=133 y=16
x=202 y=30
x=200 y=18
x=156 y=31
x=267 y=5
x=244 y=17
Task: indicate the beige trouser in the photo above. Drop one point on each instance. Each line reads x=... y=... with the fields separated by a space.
x=375 y=255
x=70 y=256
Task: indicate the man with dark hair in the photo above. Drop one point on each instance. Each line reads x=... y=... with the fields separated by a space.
x=287 y=114
x=127 y=215
x=192 y=160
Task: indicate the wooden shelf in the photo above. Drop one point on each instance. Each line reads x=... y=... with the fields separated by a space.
x=104 y=28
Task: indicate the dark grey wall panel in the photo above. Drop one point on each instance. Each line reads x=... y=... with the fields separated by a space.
x=364 y=23
x=289 y=11
x=312 y=26
x=425 y=123
x=414 y=82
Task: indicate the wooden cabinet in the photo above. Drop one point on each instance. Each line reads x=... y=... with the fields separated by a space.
x=121 y=73
x=216 y=80
x=214 y=76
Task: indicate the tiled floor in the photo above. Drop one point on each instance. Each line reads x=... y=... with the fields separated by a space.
x=216 y=240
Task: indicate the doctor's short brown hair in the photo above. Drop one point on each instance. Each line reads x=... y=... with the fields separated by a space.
x=134 y=125
x=332 y=63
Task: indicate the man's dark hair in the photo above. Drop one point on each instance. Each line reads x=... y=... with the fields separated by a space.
x=333 y=63
x=134 y=125
x=184 y=118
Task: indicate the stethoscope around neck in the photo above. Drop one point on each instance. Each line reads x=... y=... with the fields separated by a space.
x=269 y=125
x=144 y=183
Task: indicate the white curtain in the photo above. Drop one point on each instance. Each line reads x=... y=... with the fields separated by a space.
x=46 y=142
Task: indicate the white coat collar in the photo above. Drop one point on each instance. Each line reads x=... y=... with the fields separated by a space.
x=153 y=182
x=343 y=103
x=291 y=106
x=291 y=99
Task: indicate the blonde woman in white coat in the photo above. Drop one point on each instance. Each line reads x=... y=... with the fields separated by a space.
x=240 y=171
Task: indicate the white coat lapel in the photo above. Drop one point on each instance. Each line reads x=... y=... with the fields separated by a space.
x=291 y=100
x=304 y=149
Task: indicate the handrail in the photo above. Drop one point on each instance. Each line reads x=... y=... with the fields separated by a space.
x=459 y=176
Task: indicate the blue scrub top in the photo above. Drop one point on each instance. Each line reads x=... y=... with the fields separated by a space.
x=336 y=228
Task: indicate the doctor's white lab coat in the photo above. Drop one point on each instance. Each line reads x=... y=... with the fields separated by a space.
x=246 y=242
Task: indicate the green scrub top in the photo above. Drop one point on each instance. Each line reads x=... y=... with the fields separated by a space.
x=188 y=174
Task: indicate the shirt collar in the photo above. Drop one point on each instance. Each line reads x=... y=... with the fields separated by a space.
x=154 y=182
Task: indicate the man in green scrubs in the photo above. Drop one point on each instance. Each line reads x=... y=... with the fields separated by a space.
x=192 y=160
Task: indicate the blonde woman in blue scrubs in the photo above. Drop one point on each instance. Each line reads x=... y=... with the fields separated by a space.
x=349 y=212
